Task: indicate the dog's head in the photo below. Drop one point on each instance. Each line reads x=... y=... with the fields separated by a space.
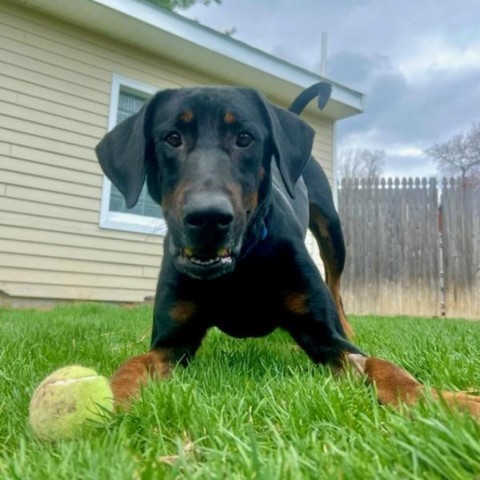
x=206 y=154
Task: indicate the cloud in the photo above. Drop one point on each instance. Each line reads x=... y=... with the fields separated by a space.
x=435 y=53
x=406 y=114
x=418 y=62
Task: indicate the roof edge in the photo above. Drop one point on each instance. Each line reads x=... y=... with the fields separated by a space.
x=234 y=60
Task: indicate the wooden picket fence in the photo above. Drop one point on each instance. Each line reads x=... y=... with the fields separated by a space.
x=461 y=248
x=413 y=248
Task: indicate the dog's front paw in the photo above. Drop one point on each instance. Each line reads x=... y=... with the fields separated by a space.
x=462 y=401
x=128 y=380
x=394 y=385
x=132 y=375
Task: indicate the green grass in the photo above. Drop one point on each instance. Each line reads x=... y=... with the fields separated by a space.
x=244 y=409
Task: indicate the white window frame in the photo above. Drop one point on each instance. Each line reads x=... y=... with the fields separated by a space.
x=118 y=220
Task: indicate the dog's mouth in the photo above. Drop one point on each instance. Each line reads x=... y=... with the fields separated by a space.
x=222 y=255
x=205 y=265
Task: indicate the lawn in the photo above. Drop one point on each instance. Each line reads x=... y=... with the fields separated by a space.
x=244 y=409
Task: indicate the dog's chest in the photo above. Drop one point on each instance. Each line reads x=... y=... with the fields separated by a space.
x=249 y=319
x=243 y=307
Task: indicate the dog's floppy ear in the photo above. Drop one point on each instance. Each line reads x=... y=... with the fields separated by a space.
x=123 y=153
x=292 y=141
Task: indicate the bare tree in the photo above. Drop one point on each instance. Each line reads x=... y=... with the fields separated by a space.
x=360 y=163
x=460 y=154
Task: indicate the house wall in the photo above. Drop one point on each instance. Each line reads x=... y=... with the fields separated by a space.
x=55 y=83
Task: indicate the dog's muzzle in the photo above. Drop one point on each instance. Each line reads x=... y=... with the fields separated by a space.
x=206 y=247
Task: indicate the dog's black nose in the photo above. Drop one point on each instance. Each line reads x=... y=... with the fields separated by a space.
x=209 y=218
x=208 y=213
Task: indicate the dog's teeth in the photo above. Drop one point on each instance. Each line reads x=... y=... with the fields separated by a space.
x=210 y=261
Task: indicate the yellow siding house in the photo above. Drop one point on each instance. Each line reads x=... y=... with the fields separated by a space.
x=69 y=70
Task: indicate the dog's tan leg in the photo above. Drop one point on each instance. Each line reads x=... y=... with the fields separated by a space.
x=395 y=385
x=332 y=253
x=460 y=400
x=132 y=375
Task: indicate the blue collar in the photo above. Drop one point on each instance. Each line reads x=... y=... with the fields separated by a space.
x=264 y=234
x=250 y=244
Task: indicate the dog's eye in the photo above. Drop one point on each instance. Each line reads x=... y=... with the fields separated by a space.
x=173 y=139
x=244 y=139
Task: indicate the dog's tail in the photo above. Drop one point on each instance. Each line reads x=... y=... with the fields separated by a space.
x=322 y=90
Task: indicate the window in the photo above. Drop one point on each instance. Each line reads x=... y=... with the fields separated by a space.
x=127 y=98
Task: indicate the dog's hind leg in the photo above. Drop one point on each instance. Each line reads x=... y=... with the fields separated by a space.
x=325 y=226
x=394 y=386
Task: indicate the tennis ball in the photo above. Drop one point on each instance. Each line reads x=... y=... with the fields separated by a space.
x=68 y=402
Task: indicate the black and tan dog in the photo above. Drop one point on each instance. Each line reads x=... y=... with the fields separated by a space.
x=239 y=189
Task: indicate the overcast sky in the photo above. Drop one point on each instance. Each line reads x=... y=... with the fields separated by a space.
x=417 y=61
